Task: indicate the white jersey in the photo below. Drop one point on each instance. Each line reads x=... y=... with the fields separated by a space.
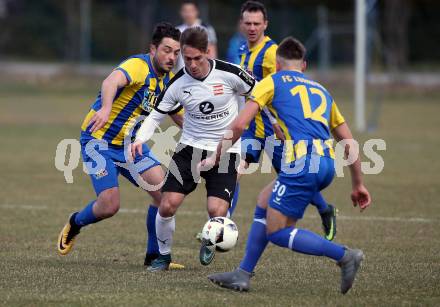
x=210 y=104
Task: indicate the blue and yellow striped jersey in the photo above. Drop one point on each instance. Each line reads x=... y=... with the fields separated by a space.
x=259 y=61
x=304 y=109
x=131 y=101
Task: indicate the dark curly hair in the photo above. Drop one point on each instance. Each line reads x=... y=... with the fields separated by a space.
x=162 y=30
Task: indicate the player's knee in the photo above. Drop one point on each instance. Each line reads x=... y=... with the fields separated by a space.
x=217 y=206
x=109 y=203
x=167 y=208
x=113 y=208
x=213 y=212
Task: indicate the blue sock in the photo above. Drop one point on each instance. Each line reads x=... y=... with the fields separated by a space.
x=152 y=246
x=306 y=242
x=319 y=202
x=234 y=200
x=86 y=216
x=257 y=241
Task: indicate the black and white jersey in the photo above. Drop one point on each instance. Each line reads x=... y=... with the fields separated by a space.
x=210 y=104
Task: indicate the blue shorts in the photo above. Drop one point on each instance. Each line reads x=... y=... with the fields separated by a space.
x=252 y=148
x=292 y=193
x=102 y=167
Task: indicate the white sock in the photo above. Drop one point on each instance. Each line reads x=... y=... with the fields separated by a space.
x=165 y=227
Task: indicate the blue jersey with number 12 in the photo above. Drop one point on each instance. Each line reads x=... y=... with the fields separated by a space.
x=304 y=109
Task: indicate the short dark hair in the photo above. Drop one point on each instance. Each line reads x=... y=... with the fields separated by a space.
x=291 y=49
x=195 y=37
x=162 y=30
x=253 y=6
x=190 y=2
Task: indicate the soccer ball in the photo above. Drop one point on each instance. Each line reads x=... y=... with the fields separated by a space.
x=220 y=233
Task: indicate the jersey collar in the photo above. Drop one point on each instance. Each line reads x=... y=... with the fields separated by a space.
x=295 y=72
x=265 y=40
x=211 y=67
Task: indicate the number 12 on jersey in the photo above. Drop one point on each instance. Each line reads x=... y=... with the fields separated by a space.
x=304 y=97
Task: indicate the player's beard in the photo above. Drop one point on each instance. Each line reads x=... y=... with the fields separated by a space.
x=160 y=70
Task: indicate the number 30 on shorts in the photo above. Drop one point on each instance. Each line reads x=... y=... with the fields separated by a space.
x=279 y=189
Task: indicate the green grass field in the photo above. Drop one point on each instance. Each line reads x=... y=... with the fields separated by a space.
x=400 y=233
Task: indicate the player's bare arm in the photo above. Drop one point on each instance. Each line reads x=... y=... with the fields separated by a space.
x=359 y=195
x=177 y=119
x=109 y=87
x=276 y=127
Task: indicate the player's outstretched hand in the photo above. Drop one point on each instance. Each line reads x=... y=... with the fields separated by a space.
x=279 y=132
x=206 y=164
x=136 y=147
x=360 y=197
x=99 y=119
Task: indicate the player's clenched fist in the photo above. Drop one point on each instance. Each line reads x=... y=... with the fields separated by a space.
x=99 y=119
x=360 y=196
x=207 y=164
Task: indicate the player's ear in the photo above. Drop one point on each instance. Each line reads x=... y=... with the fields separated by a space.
x=303 y=66
x=265 y=25
x=241 y=25
x=153 y=49
x=277 y=65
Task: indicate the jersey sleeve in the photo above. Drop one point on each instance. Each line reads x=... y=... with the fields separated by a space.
x=166 y=102
x=244 y=82
x=135 y=70
x=181 y=111
x=177 y=109
x=263 y=92
x=269 y=61
x=336 y=117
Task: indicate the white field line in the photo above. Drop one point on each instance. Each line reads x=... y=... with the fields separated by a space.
x=184 y=212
